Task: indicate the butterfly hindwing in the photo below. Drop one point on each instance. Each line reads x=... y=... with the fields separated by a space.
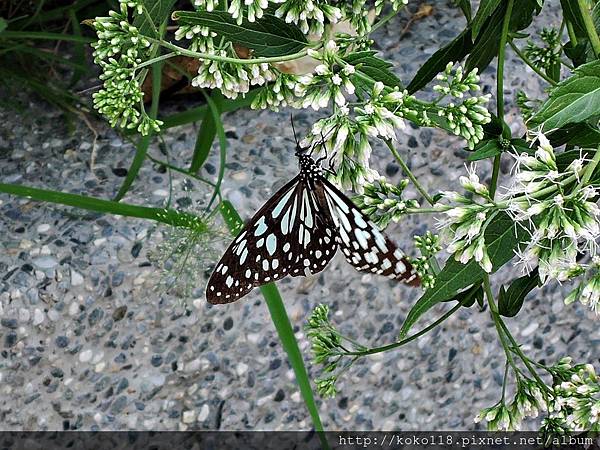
x=289 y=235
x=362 y=243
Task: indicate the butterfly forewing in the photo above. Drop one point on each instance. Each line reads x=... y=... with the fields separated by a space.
x=289 y=235
x=362 y=243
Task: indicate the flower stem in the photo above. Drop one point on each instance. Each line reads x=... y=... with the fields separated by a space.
x=408 y=339
x=500 y=90
x=185 y=52
x=590 y=27
x=497 y=322
x=408 y=173
x=589 y=170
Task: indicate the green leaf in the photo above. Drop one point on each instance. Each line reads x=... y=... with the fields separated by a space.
x=206 y=135
x=487 y=149
x=572 y=14
x=487 y=44
x=511 y=300
x=268 y=36
x=574 y=100
x=485 y=10
x=501 y=237
x=469 y=296
x=465 y=6
x=452 y=52
x=284 y=329
x=576 y=134
x=3 y=24
x=168 y=216
x=374 y=67
x=220 y=132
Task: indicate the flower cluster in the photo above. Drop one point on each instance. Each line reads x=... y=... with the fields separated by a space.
x=577 y=391
x=325 y=342
x=230 y=78
x=325 y=84
x=560 y=210
x=385 y=112
x=280 y=93
x=309 y=15
x=548 y=56
x=467 y=118
x=118 y=51
x=201 y=39
x=527 y=402
x=588 y=291
x=429 y=246
x=382 y=201
x=466 y=221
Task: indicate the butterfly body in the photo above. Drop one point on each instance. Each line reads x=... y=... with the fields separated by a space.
x=297 y=232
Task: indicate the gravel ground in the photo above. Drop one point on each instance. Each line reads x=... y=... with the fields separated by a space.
x=88 y=342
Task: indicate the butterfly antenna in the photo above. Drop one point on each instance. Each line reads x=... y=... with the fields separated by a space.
x=294 y=130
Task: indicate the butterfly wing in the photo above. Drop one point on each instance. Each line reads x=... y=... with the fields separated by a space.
x=289 y=235
x=361 y=242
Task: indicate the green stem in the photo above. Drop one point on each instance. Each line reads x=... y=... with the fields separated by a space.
x=500 y=90
x=408 y=339
x=160 y=58
x=590 y=27
x=589 y=170
x=527 y=61
x=408 y=173
x=185 y=52
x=497 y=322
x=385 y=19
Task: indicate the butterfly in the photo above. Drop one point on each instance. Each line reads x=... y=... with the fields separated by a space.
x=297 y=232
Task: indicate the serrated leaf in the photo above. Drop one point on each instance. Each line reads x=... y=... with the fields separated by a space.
x=501 y=237
x=574 y=100
x=485 y=10
x=511 y=301
x=269 y=36
x=452 y=52
x=374 y=67
x=489 y=149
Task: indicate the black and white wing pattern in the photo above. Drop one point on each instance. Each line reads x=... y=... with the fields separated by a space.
x=289 y=235
x=362 y=243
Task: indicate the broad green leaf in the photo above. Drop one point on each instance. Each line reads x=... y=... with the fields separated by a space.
x=485 y=10
x=502 y=236
x=510 y=301
x=269 y=36
x=576 y=134
x=574 y=100
x=3 y=24
x=488 y=149
x=572 y=14
x=487 y=44
x=452 y=52
x=374 y=67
